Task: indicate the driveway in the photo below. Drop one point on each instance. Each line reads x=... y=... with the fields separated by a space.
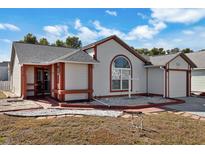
x=194 y=105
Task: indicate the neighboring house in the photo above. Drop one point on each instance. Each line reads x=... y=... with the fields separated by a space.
x=100 y=69
x=4 y=71
x=198 y=74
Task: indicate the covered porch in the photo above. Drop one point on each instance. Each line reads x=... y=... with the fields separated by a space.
x=58 y=80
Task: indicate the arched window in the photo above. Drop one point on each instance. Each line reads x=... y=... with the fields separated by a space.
x=120 y=71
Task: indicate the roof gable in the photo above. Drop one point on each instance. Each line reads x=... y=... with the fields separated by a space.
x=165 y=59
x=118 y=40
x=42 y=54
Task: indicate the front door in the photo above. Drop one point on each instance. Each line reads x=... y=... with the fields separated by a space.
x=43 y=81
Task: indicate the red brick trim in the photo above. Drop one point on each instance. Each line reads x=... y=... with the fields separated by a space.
x=35 y=81
x=90 y=81
x=62 y=80
x=120 y=107
x=55 y=79
x=73 y=91
x=50 y=68
x=23 y=82
x=111 y=90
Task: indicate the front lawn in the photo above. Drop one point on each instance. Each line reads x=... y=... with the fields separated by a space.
x=2 y=95
x=163 y=128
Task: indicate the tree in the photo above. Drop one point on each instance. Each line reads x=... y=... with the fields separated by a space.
x=187 y=50
x=143 y=51
x=175 y=50
x=73 y=42
x=60 y=43
x=43 y=41
x=157 y=51
x=30 y=38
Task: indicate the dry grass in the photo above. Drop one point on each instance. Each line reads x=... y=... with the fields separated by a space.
x=2 y=95
x=163 y=128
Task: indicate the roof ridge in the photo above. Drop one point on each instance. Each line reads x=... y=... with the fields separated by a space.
x=66 y=55
x=14 y=42
x=166 y=54
x=199 y=51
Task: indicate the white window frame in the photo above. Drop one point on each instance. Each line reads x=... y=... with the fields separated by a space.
x=121 y=70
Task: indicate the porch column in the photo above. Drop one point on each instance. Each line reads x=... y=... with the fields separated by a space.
x=90 y=81
x=55 y=82
x=62 y=81
x=23 y=82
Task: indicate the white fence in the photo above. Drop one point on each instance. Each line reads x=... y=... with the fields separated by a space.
x=4 y=85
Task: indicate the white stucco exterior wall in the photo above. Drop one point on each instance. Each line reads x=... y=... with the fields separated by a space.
x=76 y=77
x=156 y=81
x=16 y=77
x=101 y=72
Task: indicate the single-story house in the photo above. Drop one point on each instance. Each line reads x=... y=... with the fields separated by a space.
x=100 y=69
x=4 y=71
x=198 y=74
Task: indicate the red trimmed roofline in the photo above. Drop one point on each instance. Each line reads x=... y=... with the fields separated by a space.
x=121 y=42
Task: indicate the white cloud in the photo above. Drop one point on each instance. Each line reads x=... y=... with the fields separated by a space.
x=112 y=13
x=178 y=39
x=56 y=30
x=5 y=40
x=84 y=33
x=146 y=31
x=104 y=32
x=178 y=15
x=188 y=32
x=11 y=27
x=143 y=16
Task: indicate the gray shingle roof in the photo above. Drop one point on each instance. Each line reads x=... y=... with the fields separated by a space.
x=198 y=58
x=37 y=54
x=78 y=56
x=162 y=60
x=4 y=63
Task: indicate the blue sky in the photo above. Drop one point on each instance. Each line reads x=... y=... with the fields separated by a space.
x=141 y=28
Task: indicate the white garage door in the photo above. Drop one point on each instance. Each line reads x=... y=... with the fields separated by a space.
x=177 y=84
x=198 y=81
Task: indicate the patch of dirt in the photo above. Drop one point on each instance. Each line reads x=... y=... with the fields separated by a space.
x=163 y=128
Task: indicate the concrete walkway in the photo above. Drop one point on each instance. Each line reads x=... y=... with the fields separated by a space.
x=58 y=112
x=194 y=105
x=17 y=104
